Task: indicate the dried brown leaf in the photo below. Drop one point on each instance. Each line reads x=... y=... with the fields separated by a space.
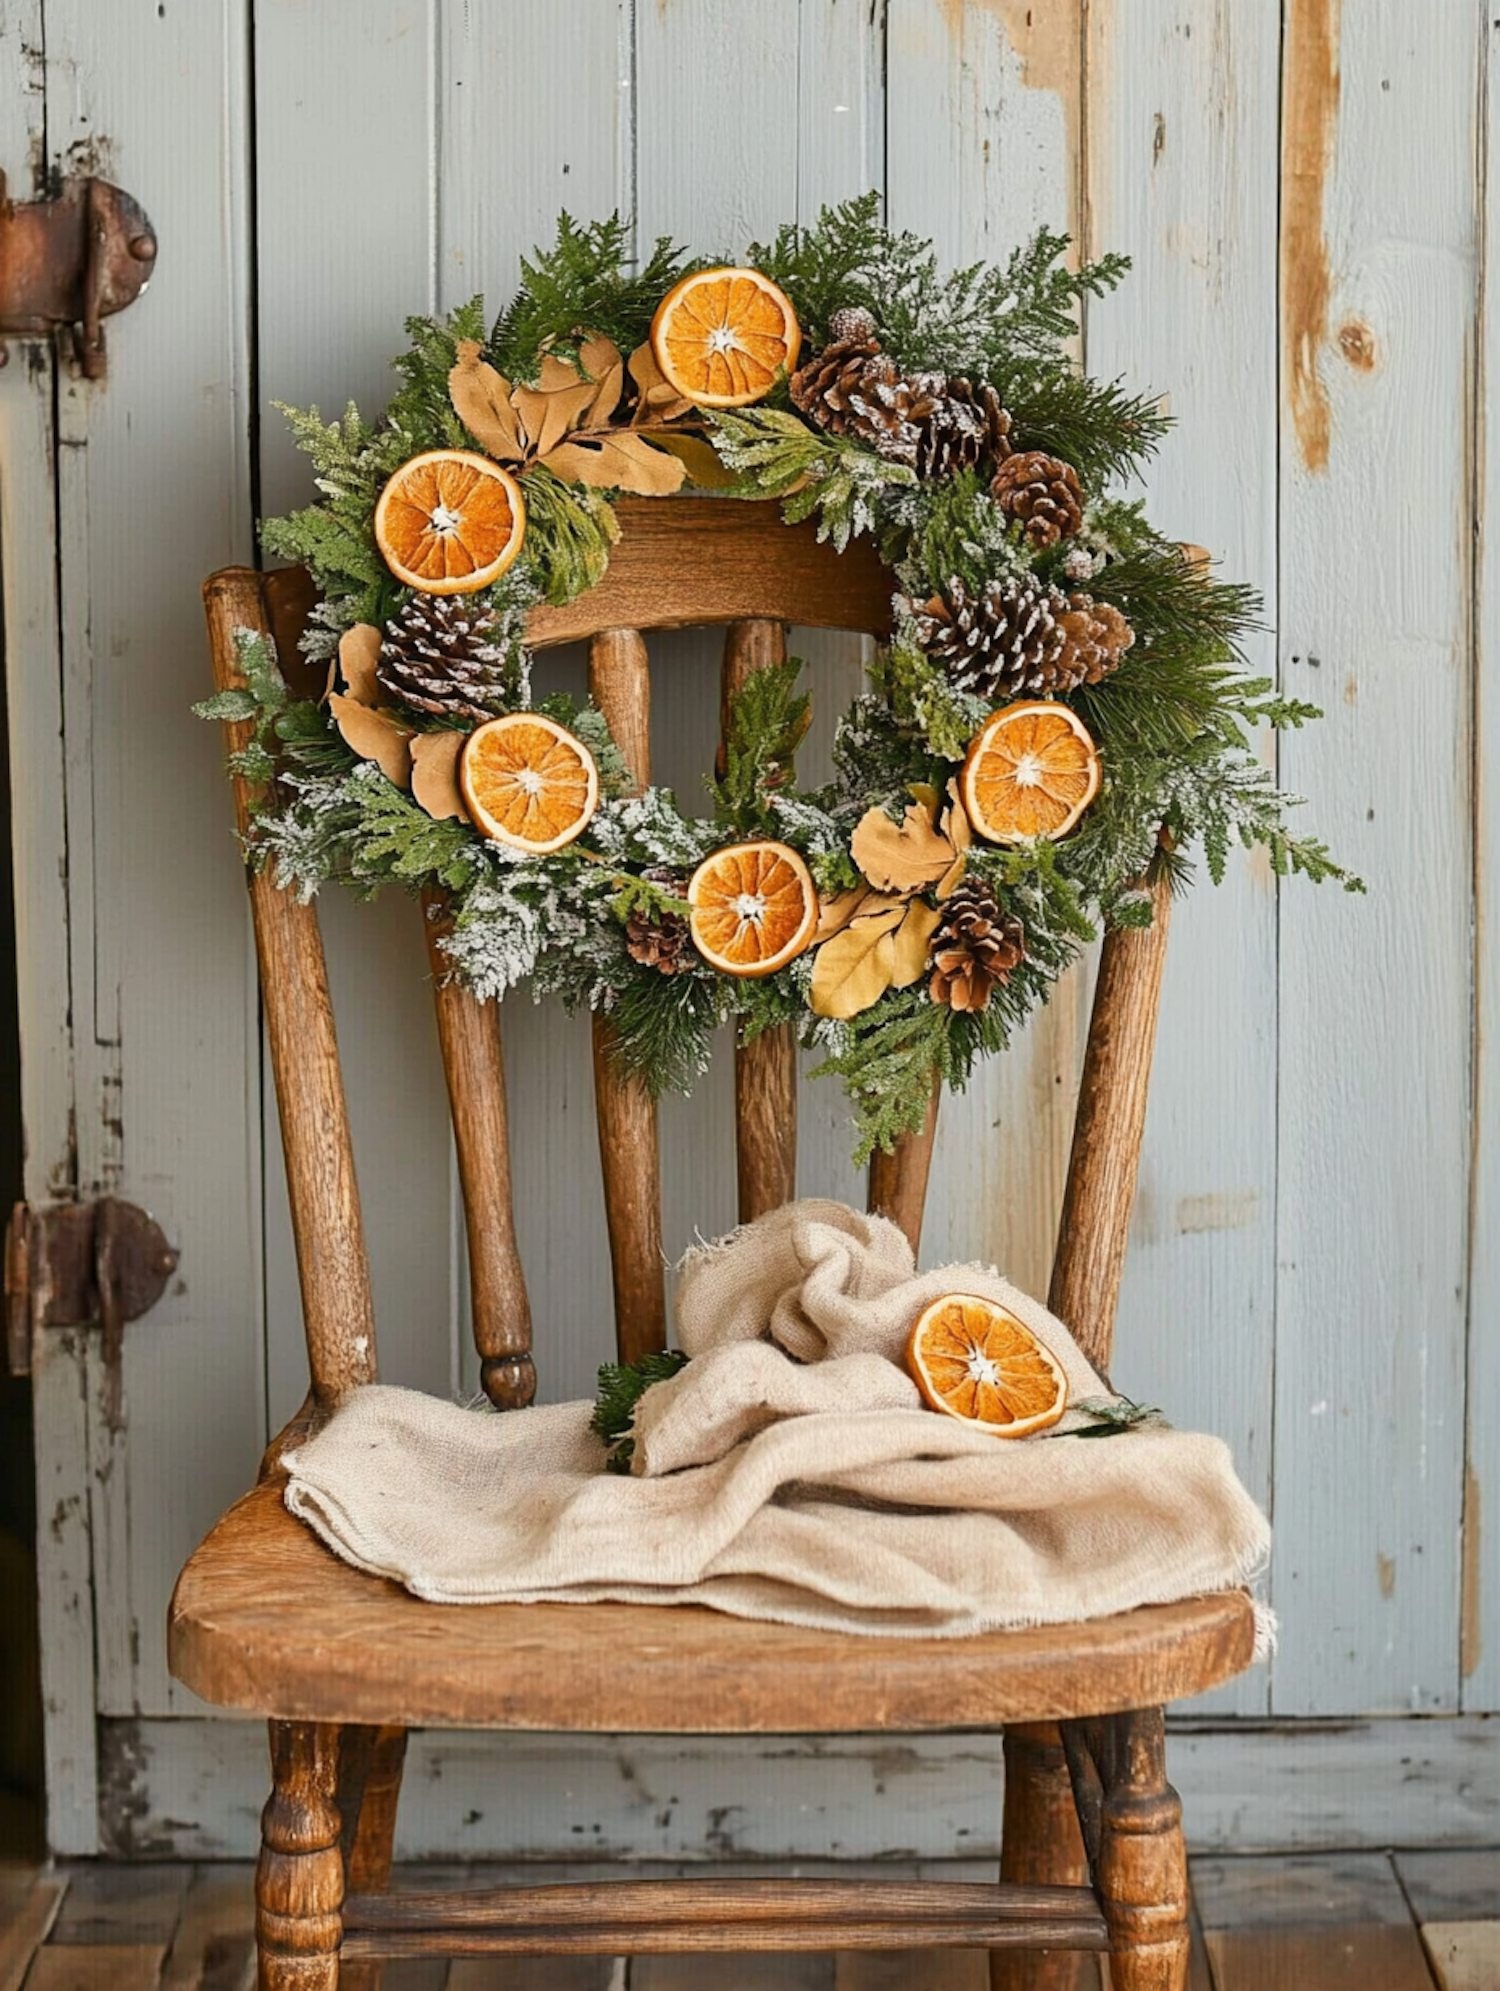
x=377 y=736
x=434 y=774
x=558 y=403
x=658 y=401
x=359 y=653
x=482 y=401
x=703 y=468
x=835 y=913
x=600 y=359
x=900 y=857
x=616 y=460
x=952 y=877
x=853 y=970
x=955 y=824
x=910 y=942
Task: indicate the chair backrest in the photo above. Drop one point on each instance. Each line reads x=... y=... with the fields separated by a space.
x=678 y=563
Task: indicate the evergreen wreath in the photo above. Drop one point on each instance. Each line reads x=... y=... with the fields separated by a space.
x=1060 y=714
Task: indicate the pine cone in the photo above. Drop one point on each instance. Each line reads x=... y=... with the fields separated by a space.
x=436 y=656
x=853 y=322
x=1095 y=637
x=852 y=388
x=663 y=942
x=967 y=426
x=1041 y=490
x=976 y=946
x=1000 y=643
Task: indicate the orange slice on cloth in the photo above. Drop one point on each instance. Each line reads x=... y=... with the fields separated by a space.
x=973 y=1360
x=719 y=337
x=1031 y=771
x=450 y=522
x=527 y=782
x=755 y=908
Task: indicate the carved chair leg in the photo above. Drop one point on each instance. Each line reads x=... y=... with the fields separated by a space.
x=1142 y=1869
x=370 y=1764
x=299 y=1880
x=1040 y=1845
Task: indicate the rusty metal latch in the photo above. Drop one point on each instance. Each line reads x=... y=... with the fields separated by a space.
x=80 y=1263
x=68 y=263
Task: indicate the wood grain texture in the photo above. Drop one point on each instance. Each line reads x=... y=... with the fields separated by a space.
x=1039 y=1845
x=30 y=1901
x=299 y=1878
x=109 y=1967
x=1141 y=1872
x=898 y=1180
x=264 y=1617
x=1333 y=1923
x=474 y=1067
x=1182 y=175
x=765 y=1071
x=1375 y=599
x=1111 y=1120
x=213 y=1945
x=337 y=1308
x=1465 y=1956
x=629 y=1149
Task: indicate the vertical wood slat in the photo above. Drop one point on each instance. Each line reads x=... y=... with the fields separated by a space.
x=765 y=1070
x=898 y=1180
x=474 y=1067
x=629 y=1148
x=1107 y=1131
x=332 y=1266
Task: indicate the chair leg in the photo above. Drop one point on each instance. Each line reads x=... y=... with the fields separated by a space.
x=375 y=1762
x=299 y=1879
x=1142 y=1869
x=1040 y=1845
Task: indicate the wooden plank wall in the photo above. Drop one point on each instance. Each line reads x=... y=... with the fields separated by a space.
x=1299 y=188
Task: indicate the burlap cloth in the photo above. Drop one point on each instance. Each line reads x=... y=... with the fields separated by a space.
x=790 y=1471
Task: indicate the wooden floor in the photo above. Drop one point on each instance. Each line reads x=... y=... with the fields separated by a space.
x=1336 y=1922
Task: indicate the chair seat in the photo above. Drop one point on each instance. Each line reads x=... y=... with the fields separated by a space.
x=267 y=1620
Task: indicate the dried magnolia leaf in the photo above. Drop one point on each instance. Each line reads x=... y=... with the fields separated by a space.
x=481 y=400
x=703 y=468
x=927 y=795
x=359 y=653
x=835 y=913
x=558 y=403
x=376 y=736
x=600 y=359
x=434 y=774
x=952 y=877
x=659 y=400
x=955 y=824
x=616 y=461
x=910 y=942
x=900 y=857
x=853 y=970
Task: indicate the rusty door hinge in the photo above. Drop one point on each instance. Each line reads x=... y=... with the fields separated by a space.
x=80 y=1263
x=69 y=262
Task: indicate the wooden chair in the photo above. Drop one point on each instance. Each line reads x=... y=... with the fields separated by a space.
x=266 y=1621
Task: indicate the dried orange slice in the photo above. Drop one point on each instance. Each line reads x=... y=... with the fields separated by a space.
x=720 y=335
x=972 y=1359
x=527 y=782
x=450 y=521
x=755 y=908
x=1031 y=771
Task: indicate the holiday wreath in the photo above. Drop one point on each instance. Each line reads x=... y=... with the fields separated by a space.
x=1059 y=714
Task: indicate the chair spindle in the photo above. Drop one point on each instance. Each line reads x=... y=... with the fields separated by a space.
x=332 y=1267
x=474 y=1067
x=629 y=1153
x=765 y=1071
x=898 y=1180
x=1108 y=1128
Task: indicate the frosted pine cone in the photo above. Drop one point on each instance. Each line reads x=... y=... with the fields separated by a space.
x=1095 y=637
x=1043 y=492
x=967 y=427
x=437 y=656
x=662 y=941
x=976 y=946
x=998 y=644
x=852 y=388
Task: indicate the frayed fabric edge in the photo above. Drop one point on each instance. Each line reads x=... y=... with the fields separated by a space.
x=1267 y=1632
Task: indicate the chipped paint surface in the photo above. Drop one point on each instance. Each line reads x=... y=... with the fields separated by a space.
x=1310 y=114
x=1228 y=1210
x=1385 y=1569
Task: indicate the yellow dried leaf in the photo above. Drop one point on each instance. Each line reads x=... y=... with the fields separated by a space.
x=377 y=736
x=835 y=913
x=910 y=942
x=434 y=774
x=557 y=404
x=617 y=460
x=952 y=876
x=900 y=857
x=853 y=970
x=927 y=795
x=659 y=400
x=703 y=468
x=600 y=359
x=481 y=400
x=359 y=652
x=955 y=824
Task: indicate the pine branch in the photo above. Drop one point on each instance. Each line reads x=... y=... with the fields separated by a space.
x=767 y=724
x=621 y=1387
x=583 y=284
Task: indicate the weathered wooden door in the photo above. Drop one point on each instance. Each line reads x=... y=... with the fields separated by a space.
x=1317 y=1229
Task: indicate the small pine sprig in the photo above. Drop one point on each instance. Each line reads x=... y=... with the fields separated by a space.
x=621 y=1387
x=778 y=455
x=586 y=282
x=767 y=723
